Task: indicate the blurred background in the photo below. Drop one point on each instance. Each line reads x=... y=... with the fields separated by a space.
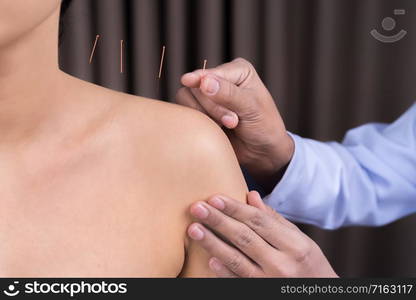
x=325 y=70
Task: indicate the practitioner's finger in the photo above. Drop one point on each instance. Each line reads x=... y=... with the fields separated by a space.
x=272 y=228
x=217 y=112
x=233 y=259
x=228 y=88
x=223 y=100
x=185 y=97
x=236 y=72
x=193 y=79
x=237 y=233
x=254 y=199
x=220 y=269
x=227 y=94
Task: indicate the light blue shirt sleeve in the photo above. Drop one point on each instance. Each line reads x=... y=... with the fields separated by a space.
x=369 y=179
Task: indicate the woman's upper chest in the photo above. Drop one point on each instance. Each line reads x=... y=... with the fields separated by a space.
x=85 y=218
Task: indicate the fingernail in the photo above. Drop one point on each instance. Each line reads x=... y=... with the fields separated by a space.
x=200 y=211
x=230 y=120
x=196 y=233
x=191 y=74
x=215 y=265
x=217 y=203
x=211 y=86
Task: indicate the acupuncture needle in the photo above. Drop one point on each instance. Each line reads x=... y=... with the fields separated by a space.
x=159 y=77
x=205 y=66
x=94 y=47
x=121 y=55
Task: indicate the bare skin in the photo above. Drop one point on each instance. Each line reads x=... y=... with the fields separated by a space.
x=81 y=167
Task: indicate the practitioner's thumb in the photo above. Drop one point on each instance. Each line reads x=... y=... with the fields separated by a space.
x=224 y=93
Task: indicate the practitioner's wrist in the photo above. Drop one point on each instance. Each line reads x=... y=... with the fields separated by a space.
x=269 y=167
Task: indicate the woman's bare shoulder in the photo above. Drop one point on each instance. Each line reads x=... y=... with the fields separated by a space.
x=140 y=113
x=165 y=121
x=137 y=109
x=184 y=139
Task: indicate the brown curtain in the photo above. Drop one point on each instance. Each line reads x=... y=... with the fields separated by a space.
x=325 y=70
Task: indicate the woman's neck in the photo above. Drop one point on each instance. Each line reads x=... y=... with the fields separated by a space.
x=30 y=80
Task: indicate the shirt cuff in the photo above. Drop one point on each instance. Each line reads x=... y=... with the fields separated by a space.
x=295 y=195
x=289 y=184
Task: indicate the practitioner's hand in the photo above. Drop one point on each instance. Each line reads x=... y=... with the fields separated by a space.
x=235 y=97
x=264 y=243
